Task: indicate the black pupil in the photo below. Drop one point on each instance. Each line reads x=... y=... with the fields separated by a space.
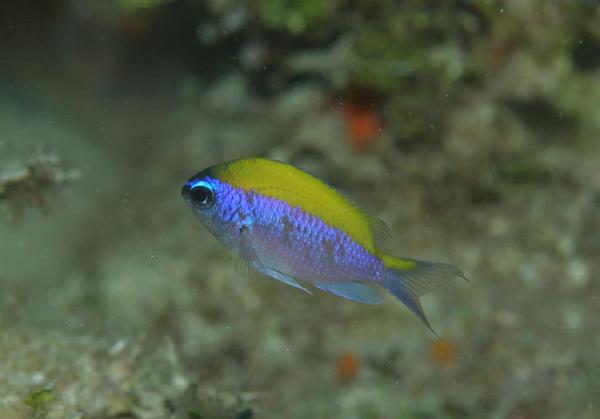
x=202 y=195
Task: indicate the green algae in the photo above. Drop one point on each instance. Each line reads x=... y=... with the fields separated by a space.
x=39 y=399
x=294 y=16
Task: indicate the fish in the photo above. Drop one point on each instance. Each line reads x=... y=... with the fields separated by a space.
x=287 y=224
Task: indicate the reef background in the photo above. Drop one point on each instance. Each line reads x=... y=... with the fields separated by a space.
x=471 y=127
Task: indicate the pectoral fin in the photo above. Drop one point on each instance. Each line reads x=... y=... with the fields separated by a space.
x=247 y=252
x=249 y=259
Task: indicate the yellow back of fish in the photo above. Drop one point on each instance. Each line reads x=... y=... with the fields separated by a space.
x=300 y=189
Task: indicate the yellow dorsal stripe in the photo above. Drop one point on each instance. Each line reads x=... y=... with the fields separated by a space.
x=299 y=189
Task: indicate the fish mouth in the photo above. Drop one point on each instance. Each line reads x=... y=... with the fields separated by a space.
x=186 y=191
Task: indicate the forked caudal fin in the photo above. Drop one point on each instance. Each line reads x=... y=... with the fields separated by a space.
x=409 y=279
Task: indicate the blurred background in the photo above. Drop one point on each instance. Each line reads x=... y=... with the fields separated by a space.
x=471 y=127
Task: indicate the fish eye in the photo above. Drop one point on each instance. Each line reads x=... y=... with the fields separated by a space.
x=202 y=195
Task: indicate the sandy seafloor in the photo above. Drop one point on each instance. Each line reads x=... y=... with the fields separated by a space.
x=116 y=303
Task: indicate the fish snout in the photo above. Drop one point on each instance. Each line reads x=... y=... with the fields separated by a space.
x=186 y=191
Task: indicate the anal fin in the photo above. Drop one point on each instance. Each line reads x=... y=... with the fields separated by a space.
x=354 y=291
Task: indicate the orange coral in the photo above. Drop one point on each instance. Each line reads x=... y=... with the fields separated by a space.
x=362 y=125
x=442 y=352
x=347 y=367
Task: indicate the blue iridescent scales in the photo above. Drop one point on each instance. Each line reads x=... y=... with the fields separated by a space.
x=289 y=225
x=288 y=238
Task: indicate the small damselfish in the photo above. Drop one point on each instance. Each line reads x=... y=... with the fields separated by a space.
x=291 y=226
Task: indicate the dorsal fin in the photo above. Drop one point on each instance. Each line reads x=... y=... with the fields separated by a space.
x=381 y=232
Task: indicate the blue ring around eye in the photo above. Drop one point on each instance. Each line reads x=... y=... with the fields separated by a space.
x=197 y=183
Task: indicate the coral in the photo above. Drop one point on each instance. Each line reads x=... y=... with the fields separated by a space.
x=32 y=183
x=417 y=56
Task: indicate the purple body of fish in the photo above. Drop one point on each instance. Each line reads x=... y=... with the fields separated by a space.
x=290 y=240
